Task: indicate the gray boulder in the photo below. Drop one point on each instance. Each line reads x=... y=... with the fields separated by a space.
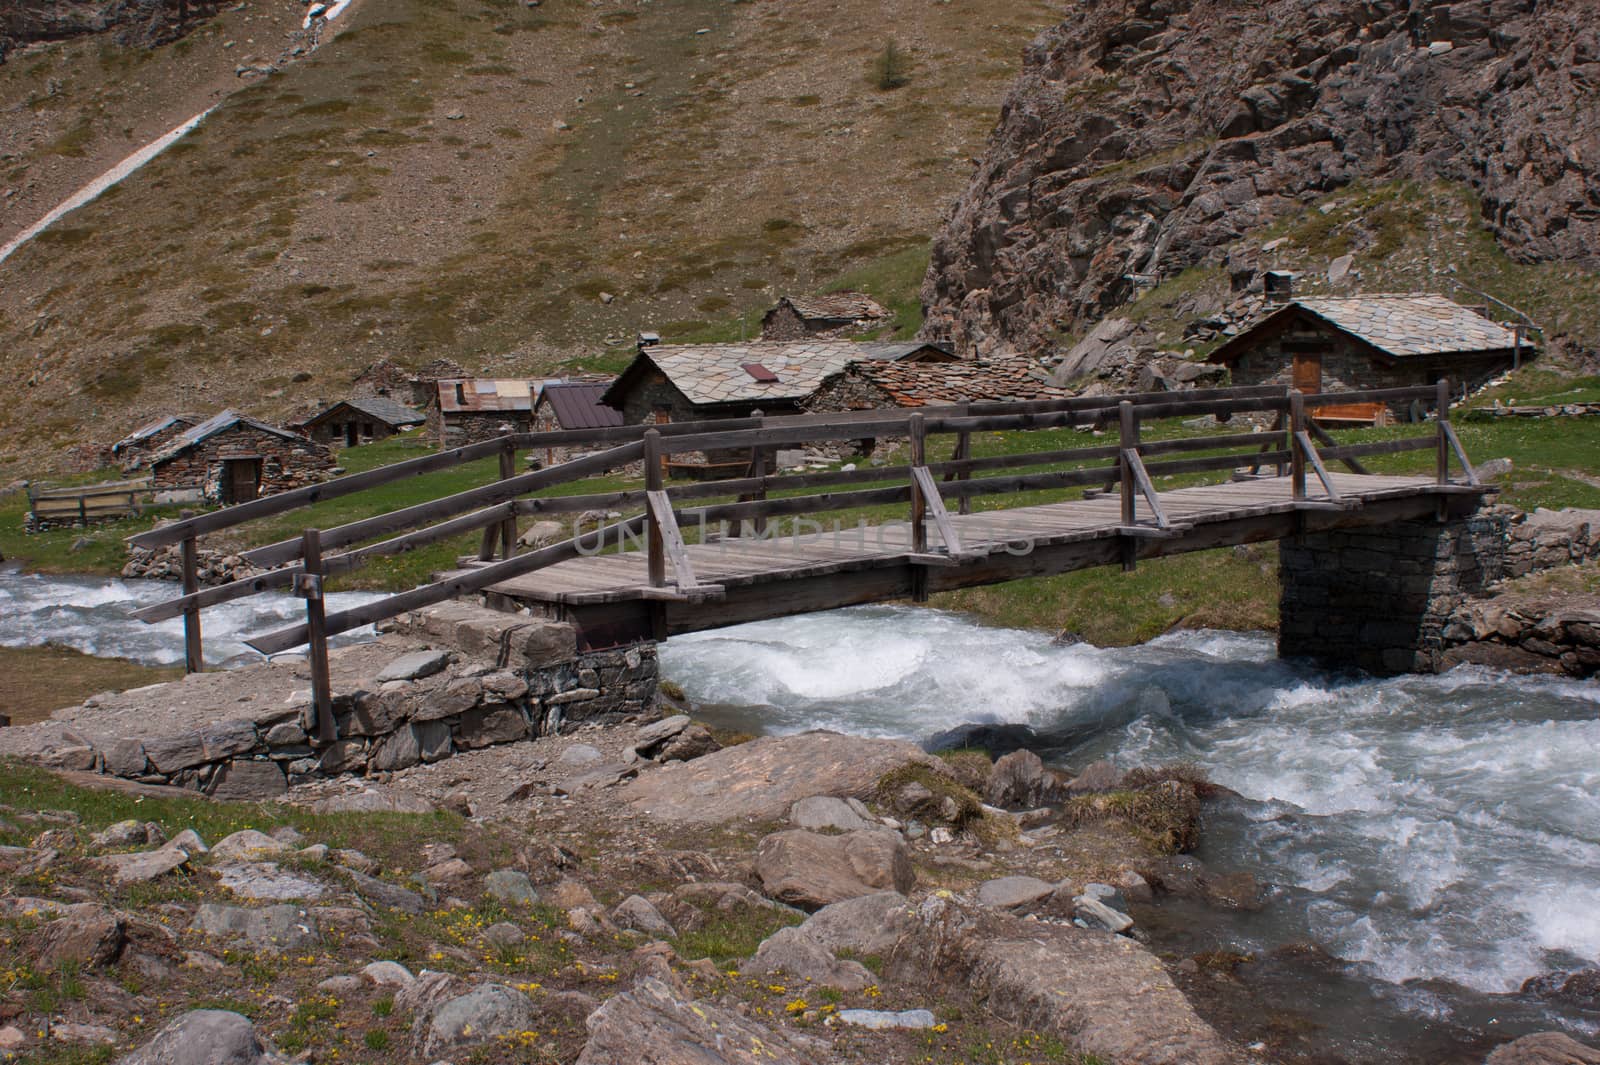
x=824 y=811
x=205 y=1037
x=87 y=934
x=882 y=1019
x=652 y=1025
x=278 y=928
x=413 y=666
x=482 y=1015
x=511 y=887
x=793 y=952
x=637 y=913
x=392 y=896
x=1013 y=892
x=868 y=924
x=268 y=882
x=1019 y=780
x=247 y=845
x=810 y=871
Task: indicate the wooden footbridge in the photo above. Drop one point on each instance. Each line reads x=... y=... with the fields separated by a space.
x=699 y=555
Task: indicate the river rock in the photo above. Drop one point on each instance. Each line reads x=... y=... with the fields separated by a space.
x=693 y=742
x=868 y=924
x=824 y=811
x=413 y=666
x=1544 y=1048
x=1020 y=781
x=1096 y=914
x=762 y=779
x=1013 y=892
x=792 y=951
x=810 y=871
x=1096 y=776
x=205 y=1037
x=998 y=738
x=482 y=1015
x=1104 y=995
x=654 y=1025
x=659 y=732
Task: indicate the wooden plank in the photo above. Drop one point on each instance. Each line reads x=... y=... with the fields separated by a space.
x=457 y=585
x=1365 y=395
x=1379 y=447
x=1460 y=452
x=672 y=540
x=1142 y=478
x=495 y=492
x=1310 y=451
x=1328 y=439
x=941 y=517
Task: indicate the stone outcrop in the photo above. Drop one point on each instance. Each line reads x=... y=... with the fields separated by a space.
x=810 y=870
x=655 y=1025
x=1143 y=137
x=206 y=1037
x=1544 y=1048
x=141 y=23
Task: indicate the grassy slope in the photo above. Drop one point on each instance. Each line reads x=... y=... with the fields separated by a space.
x=338 y=212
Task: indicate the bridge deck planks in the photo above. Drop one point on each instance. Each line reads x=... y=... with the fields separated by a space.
x=747 y=561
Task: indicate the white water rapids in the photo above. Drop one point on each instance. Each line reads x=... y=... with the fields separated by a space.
x=1427 y=827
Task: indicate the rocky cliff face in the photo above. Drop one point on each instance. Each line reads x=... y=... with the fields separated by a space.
x=135 y=22
x=1148 y=136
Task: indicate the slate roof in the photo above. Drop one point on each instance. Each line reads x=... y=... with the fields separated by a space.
x=145 y=432
x=219 y=423
x=912 y=384
x=381 y=408
x=577 y=404
x=1402 y=326
x=715 y=373
x=841 y=306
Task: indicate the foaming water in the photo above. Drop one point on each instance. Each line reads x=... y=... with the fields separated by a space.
x=1427 y=828
x=95 y=616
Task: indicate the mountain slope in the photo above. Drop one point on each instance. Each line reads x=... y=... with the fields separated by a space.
x=1159 y=137
x=467 y=179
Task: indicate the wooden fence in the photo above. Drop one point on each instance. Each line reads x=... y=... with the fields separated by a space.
x=108 y=501
x=304 y=562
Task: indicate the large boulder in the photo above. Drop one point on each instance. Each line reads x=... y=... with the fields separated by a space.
x=277 y=928
x=652 y=1025
x=1103 y=995
x=762 y=779
x=1020 y=780
x=810 y=870
x=791 y=951
x=1544 y=1048
x=867 y=924
x=87 y=934
x=205 y=1037
x=482 y=1015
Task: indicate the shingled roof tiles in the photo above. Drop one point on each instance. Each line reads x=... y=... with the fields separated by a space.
x=921 y=384
x=1412 y=324
x=846 y=306
x=715 y=373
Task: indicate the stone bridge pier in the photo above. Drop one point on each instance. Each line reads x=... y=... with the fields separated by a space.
x=1377 y=598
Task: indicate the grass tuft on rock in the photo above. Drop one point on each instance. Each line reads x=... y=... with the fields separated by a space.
x=970 y=766
x=1165 y=815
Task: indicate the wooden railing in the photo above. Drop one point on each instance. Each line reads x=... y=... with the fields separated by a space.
x=107 y=501
x=1128 y=465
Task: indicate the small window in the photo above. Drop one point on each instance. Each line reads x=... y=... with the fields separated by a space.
x=461 y=392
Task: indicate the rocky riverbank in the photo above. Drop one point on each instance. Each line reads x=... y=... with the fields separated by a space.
x=811 y=898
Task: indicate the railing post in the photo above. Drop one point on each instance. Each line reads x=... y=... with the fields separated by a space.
x=758 y=469
x=963 y=452
x=919 y=506
x=1441 y=407
x=83 y=510
x=1128 y=425
x=508 y=528
x=193 y=655
x=310 y=586
x=1297 y=456
x=654 y=482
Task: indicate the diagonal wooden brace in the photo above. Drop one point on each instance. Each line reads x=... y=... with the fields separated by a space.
x=672 y=539
x=935 y=505
x=1309 y=449
x=1142 y=479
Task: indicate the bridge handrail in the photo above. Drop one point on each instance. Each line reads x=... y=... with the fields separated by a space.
x=494 y=507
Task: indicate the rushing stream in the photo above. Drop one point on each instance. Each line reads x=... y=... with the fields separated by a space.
x=1434 y=831
x=94 y=615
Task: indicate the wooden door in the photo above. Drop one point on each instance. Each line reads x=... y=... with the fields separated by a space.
x=241 y=481
x=1308 y=372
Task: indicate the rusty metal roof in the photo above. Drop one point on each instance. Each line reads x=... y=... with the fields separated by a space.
x=715 y=373
x=577 y=405
x=1401 y=326
x=486 y=394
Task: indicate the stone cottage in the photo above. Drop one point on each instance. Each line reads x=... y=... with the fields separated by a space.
x=693 y=382
x=233 y=459
x=135 y=449
x=1373 y=341
x=472 y=409
x=835 y=316
x=359 y=420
